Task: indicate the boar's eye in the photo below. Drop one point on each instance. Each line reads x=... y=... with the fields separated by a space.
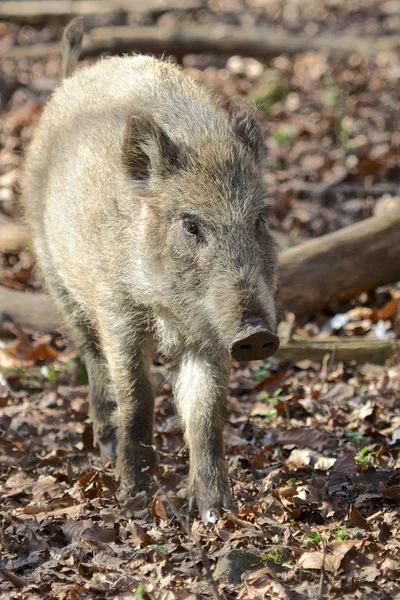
x=259 y=223
x=191 y=227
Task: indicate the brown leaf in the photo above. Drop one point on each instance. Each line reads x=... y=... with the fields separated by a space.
x=319 y=560
x=40 y=352
x=392 y=493
x=287 y=491
x=341 y=547
x=138 y=534
x=272 y=383
x=73 y=530
x=264 y=580
x=99 y=535
x=356 y=519
x=311 y=438
x=72 y=511
x=389 y=564
x=158 y=509
x=85 y=530
x=367 y=166
x=345 y=464
x=388 y=310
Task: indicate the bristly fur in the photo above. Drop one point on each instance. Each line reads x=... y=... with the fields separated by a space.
x=126 y=152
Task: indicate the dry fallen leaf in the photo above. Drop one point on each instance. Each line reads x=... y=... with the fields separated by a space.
x=158 y=509
x=319 y=560
x=303 y=438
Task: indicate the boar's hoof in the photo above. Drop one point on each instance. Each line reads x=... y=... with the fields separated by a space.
x=210 y=516
x=210 y=509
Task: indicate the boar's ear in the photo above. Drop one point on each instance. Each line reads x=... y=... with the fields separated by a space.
x=246 y=125
x=149 y=151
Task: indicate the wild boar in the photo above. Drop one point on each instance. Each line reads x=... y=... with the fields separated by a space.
x=146 y=202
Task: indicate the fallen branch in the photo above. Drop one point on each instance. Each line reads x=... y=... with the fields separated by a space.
x=221 y=39
x=34 y=310
x=13 y=236
x=17 y=581
x=42 y=9
x=341 y=265
x=340 y=350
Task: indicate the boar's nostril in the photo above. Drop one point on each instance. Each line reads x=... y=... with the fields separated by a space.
x=245 y=348
x=255 y=344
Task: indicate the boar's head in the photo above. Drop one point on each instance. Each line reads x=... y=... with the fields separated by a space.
x=204 y=252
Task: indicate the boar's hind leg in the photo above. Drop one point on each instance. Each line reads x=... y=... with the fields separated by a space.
x=101 y=401
x=128 y=353
x=102 y=406
x=200 y=395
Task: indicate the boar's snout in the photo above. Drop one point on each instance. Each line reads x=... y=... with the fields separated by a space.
x=254 y=342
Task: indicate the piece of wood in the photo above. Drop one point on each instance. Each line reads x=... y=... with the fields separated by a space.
x=361 y=350
x=341 y=265
x=220 y=39
x=17 y=581
x=34 y=310
x=43 y=9
x=13 y=236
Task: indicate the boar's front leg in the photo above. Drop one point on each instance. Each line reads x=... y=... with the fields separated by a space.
x=125 y=345
x=201 y=395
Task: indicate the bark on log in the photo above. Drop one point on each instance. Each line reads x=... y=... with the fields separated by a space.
x=221 y=39
x=341 y=265
x=42 y=9
x=360 y=349
x=13 y=236
x=34 y=310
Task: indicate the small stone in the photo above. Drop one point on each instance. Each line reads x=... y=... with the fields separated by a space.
x=232 y=563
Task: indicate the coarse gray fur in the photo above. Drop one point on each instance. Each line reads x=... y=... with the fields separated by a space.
x=127 y=152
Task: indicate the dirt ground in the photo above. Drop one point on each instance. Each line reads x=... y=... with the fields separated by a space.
x=313 y=448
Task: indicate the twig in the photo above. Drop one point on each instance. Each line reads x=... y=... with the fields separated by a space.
x=339 y=350
x=204 y=558
x=321 y=590
x=17 y=582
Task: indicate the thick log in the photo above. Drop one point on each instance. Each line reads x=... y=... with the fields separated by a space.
x=221 y=39
x=22 y=10
x=34 y=310
x=342 y=264
x=43 y=9
x=339 y=265
x=339 y=350
x=13 y=236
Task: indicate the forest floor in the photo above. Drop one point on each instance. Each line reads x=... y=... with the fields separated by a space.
x=313 y=449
